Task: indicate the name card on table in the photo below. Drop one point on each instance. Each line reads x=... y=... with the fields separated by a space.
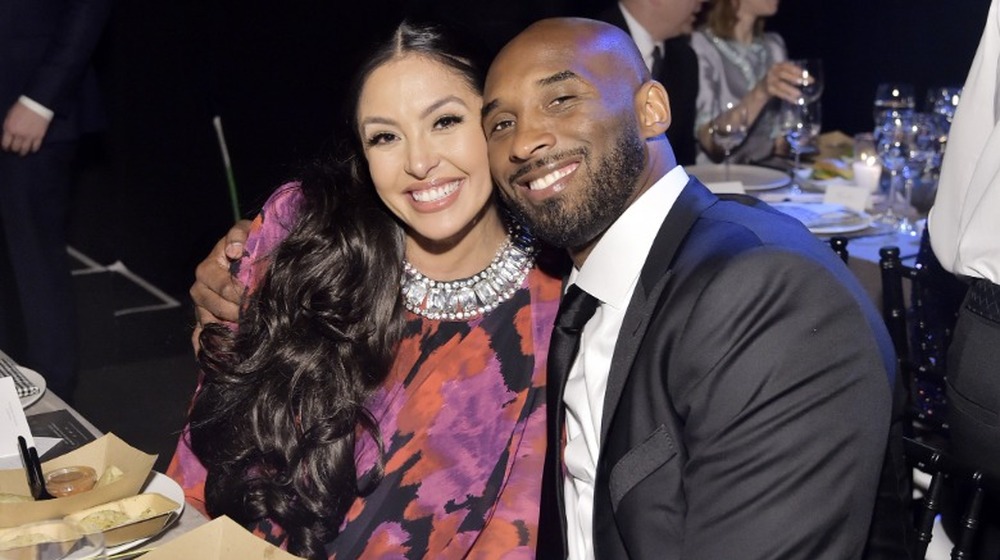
x=12 y=424
x=726 y=187
x=847 y=195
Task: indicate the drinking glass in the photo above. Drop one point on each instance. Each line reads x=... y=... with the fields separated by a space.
x=943 y=101
x=801 y=123
x=893 y=140
x=811 y=83
x=729 y=129
x=892 y=99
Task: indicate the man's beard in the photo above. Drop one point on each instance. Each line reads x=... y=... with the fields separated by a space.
x=574 y=219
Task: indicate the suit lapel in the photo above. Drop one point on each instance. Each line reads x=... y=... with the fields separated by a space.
x=655 y=276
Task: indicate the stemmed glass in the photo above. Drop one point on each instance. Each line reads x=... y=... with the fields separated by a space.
x=801 y=123
x=893 y=140
x=729 y=129
x=893 y=99
x=944 y=101
x=811 y=83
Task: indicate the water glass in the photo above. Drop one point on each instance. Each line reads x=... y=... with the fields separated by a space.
x=893 y=99
x=801 y=123
x=729 y=130
x=944 y=101
x=894 y=141
x=811 y=83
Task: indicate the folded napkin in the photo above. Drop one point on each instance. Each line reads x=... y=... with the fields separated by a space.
x=8 y=368
x=820 y=215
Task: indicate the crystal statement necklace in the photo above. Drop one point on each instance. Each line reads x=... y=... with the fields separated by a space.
x=477 y=295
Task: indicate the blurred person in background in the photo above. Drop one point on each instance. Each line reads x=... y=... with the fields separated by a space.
x=49 y=93
x=662 y=30
x=965 y=235
x=741 y=64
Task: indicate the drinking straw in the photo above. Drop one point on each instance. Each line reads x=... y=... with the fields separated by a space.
x=233 y=198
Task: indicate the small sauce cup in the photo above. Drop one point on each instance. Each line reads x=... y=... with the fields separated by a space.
x=68 y=481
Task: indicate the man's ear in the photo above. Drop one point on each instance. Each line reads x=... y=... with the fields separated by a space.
x=652 y=105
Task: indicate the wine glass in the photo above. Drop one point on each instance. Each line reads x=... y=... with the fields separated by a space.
x=801 y=123
x=811 y=83
x=729 y=129
x=944 y=101
x=893 y=140
x=892 y=99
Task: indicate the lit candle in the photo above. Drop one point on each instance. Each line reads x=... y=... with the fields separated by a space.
x=867 y=172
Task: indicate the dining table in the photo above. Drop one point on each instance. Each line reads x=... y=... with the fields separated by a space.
x=189 y=519
x=864 y=239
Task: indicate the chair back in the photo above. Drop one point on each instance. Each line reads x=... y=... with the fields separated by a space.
x=960 y=477
x=917 y=341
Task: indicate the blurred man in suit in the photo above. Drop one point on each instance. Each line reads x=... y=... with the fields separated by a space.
x=666 y=26
x=48 y=91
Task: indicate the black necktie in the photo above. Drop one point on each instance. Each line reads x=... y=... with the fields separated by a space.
x=657 y=62
x=576 y=309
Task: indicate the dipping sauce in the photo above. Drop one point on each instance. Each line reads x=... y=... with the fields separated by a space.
x=70 y=480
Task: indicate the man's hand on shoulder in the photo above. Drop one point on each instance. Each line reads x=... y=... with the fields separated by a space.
x=216 y=294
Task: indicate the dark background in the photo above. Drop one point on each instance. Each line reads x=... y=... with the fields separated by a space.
x=152 y=191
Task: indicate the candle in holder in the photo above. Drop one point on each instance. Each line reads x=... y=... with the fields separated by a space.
x=867 y=168
x=867 y=173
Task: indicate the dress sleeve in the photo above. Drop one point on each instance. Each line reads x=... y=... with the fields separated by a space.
x=269 y=229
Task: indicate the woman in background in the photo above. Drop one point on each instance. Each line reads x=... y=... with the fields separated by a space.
x=301 y=428
x=739 y=63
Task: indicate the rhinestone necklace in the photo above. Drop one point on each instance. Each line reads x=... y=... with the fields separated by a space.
x=477 y=295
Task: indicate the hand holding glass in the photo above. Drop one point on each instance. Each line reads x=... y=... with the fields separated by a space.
x=811 y=82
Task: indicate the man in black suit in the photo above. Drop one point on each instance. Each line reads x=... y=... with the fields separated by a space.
x=731 y=396
x=666 y=25
x=49 y=92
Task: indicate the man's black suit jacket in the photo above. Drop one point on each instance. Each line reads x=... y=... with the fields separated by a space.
x=680 y=77
x=748 y=402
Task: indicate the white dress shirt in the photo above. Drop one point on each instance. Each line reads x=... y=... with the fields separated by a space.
x=965 y=220
x=36 y=107
x=643 y=40
x=610 y=274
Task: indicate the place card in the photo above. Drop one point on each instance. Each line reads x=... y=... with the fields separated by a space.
x=12 y=424
x=726 y=187
x=850 y=196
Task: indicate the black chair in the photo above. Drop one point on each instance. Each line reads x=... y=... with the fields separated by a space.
x=839 y=246
x=920 y=334
x=947 y=474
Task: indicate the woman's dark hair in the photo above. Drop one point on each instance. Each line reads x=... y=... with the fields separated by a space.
x=283 y=397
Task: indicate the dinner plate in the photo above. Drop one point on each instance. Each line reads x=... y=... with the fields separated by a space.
x=37 y=380
x=165 y=486
x=825 y=219
x=753 y=177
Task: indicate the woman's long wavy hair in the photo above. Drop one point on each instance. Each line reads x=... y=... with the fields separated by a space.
x=283 y=397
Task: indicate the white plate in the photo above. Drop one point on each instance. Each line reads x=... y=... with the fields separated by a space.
x=165 y=486
x=36 y=379
x=842 y=219
x=753 y=177
x=822 y=184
